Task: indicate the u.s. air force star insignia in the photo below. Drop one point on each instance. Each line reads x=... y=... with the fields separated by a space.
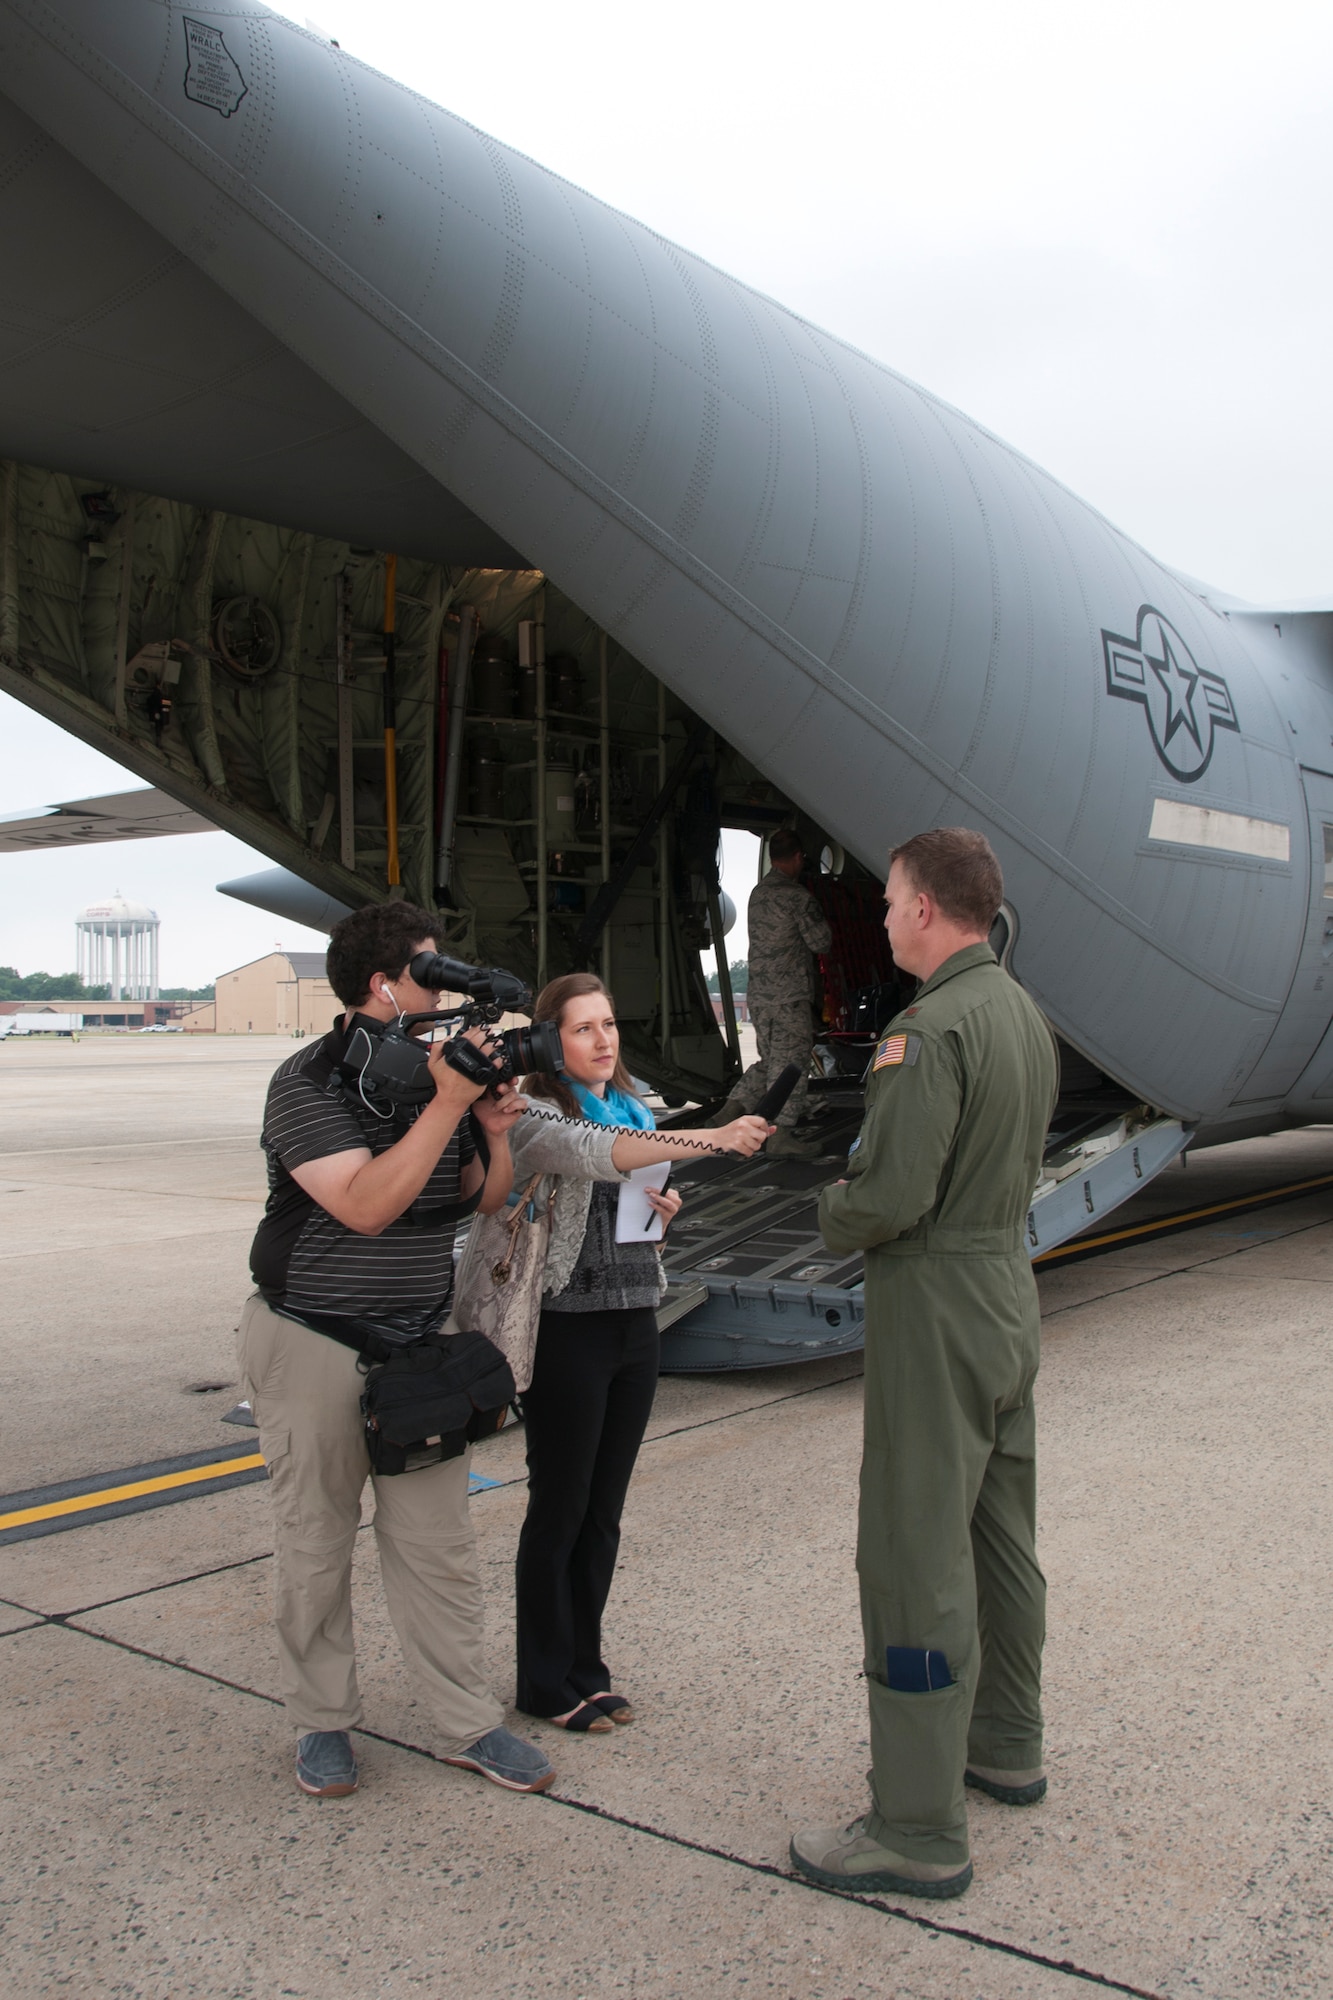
x=1186 y=704
x=212 y=75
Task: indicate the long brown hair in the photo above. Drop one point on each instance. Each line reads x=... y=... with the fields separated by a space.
x=552 y=1001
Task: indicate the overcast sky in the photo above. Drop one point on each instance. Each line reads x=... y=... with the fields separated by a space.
x=1103 y=232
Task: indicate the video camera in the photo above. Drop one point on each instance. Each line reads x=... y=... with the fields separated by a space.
x=392 y=1068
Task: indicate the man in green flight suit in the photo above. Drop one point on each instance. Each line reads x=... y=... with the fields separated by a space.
x=959 y=1099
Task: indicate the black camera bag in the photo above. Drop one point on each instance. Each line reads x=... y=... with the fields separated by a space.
x=429 y=1400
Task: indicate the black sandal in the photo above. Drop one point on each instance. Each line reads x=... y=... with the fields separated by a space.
x=587 y=1719
x=615 y=1706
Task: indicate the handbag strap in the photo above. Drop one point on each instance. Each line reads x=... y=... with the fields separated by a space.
x=523 y=1203
x=521 y=1207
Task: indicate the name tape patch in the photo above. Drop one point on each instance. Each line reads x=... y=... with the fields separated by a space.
x=895 y=1050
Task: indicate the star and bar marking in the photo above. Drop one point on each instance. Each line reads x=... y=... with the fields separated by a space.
x=1185 y=704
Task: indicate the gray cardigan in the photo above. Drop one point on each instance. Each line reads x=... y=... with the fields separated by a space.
x=579 y=1154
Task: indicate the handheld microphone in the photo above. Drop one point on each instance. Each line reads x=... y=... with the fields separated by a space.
x=777 y=1094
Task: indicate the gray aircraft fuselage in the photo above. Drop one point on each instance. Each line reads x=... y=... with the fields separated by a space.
x=248 y=273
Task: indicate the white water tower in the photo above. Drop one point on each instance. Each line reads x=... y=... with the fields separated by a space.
x=117 y=943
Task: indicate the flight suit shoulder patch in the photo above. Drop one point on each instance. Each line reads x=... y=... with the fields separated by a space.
x=896 y=1050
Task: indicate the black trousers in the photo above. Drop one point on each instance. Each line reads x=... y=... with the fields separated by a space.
x=585 y=1411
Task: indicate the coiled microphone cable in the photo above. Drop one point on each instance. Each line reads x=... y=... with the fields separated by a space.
x=767 y=1108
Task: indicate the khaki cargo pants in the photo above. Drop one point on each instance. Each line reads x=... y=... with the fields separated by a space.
x=305 y=1391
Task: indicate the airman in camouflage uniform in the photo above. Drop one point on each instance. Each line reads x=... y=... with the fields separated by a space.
x=786 y=929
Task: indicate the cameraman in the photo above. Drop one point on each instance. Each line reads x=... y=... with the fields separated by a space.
x=349 y=1246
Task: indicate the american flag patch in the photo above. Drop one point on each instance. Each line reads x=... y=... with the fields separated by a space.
x=893 y=1049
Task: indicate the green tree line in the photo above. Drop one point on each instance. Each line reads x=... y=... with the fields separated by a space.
x=740 y=977
x=15 y=985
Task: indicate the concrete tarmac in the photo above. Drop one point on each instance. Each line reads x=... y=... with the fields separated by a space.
x=153 y=1842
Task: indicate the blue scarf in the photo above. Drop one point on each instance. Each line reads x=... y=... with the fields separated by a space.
x=616 y=1108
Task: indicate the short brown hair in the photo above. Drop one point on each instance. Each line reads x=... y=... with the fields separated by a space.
x=382 y=937
x=785 y=844
x=957 y=868
x=550 y=1005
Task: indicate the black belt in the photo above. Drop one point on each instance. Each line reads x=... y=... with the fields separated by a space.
x=348 y=1332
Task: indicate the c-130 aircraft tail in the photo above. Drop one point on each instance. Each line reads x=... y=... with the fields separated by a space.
x=299 y=359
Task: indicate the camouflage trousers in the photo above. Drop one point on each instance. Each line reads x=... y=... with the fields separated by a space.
x=785 y=1034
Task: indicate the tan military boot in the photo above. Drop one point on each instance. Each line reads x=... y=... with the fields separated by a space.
x=733 y=1108
x=785 y=1145
x=1011 y=1788
x=848 y=1858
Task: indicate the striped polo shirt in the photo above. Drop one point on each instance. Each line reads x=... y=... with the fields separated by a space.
x=303 y=1260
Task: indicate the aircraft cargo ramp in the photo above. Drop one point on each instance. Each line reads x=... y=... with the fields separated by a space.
x=753 y=1284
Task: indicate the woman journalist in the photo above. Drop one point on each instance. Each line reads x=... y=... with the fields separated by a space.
x=595 y=1368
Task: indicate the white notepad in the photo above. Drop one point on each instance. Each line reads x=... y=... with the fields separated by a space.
x=637 y=1221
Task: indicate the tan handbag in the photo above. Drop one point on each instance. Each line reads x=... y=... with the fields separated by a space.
x=498 y=1284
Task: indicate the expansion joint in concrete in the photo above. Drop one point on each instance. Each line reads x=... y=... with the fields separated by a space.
x=978 y=1939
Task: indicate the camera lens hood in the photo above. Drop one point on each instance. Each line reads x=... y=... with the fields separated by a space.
x=491 y=984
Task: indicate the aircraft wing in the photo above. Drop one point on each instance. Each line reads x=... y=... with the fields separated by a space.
x=143 y=815
x=138 y=815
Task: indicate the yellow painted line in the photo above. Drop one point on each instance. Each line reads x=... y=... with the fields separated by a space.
x=81 y=1503
x=1142 y=1229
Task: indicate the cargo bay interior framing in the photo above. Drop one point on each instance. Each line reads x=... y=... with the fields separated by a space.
x=240 y=666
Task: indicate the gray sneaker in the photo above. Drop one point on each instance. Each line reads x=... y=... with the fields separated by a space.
x=507 y=1760
x=325 y=1766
